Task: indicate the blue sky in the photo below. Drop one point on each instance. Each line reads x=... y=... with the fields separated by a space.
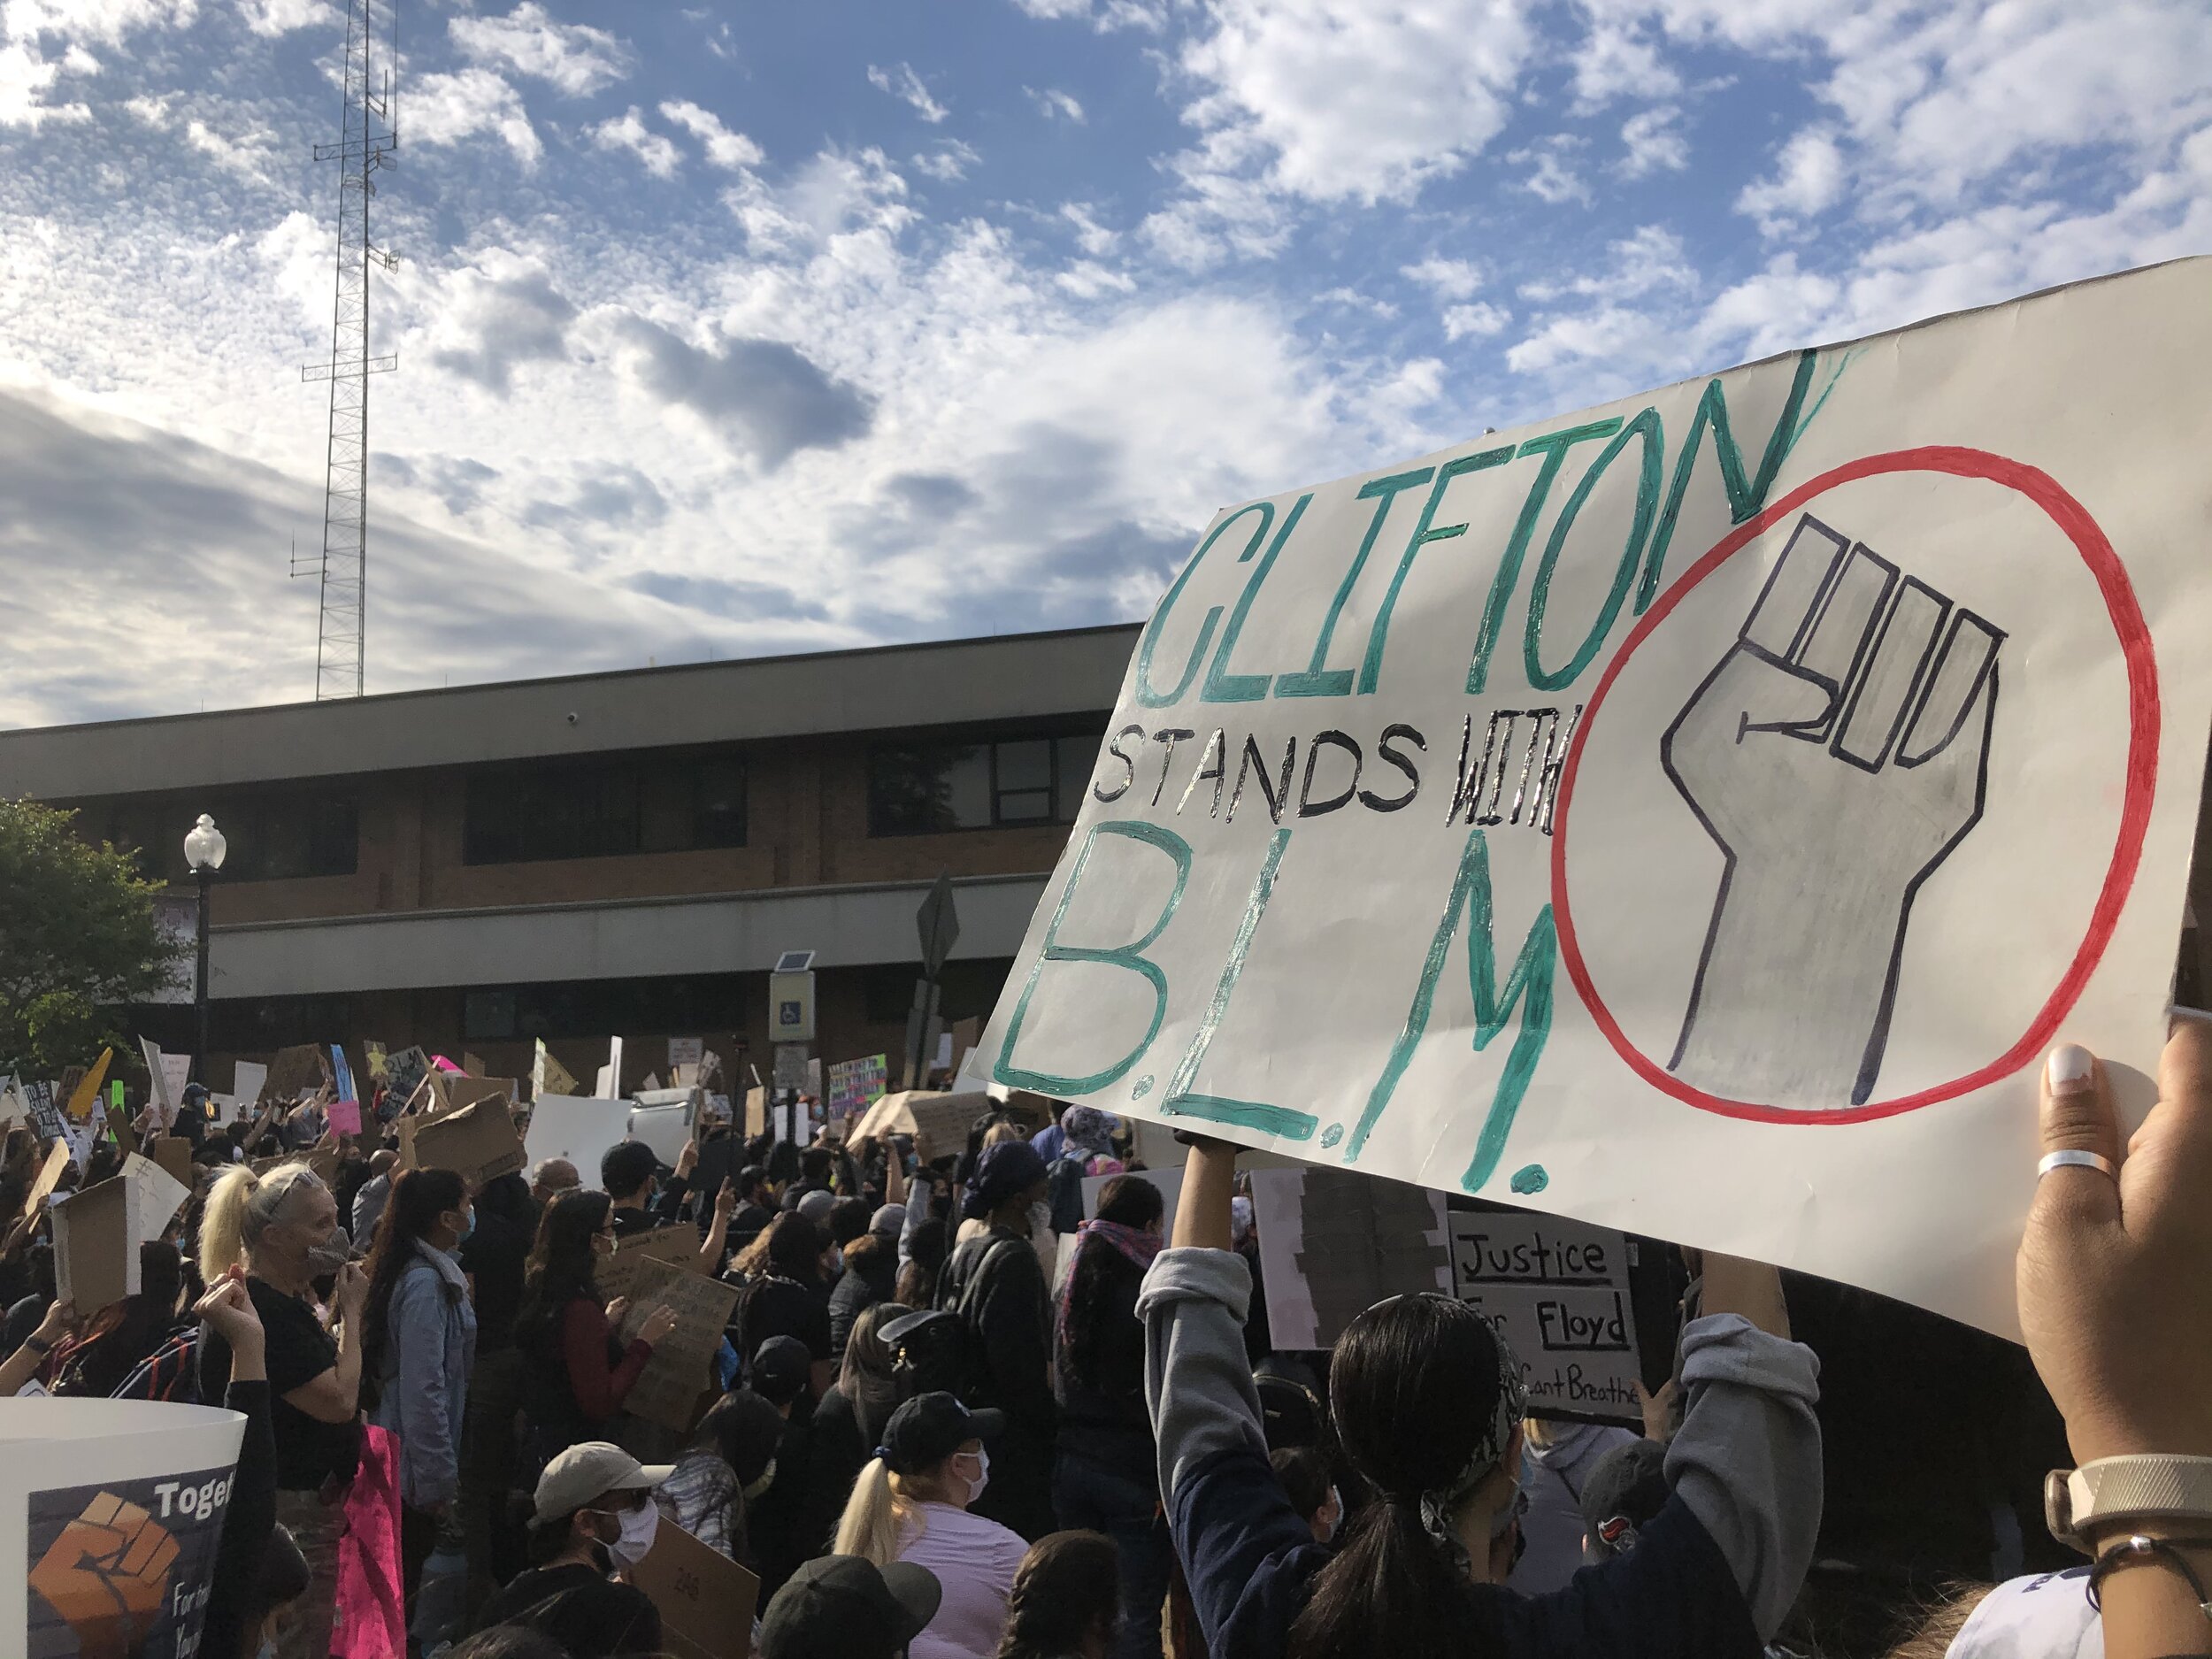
x=756 y=327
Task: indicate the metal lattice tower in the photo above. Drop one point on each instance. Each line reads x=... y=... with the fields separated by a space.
x=368 y=134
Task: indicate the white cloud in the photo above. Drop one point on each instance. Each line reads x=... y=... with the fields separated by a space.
x=1055 y=103
x=107 y=21
x=444 y=109
x=249 y=155
x=1447 y=279
x=1090 y=235
x=281 y=16
x=1611 y=332
x=1806 y=180
x=1104 y=15
x=1552 y=179
x=1615 y=60
x=1087 y=280
x=1352 y=299
x=574 y=57
x=1350 y=100
x=725 y=148
x=25 y=79
x=1649 y=259
x=628 y=131
x=1479 y=321
x=1654 y=142
x=903 y=83
x=948 y=163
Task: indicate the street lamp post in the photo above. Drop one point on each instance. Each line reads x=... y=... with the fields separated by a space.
x=203 y=851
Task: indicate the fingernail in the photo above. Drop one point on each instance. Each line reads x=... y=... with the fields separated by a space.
x=2070 y=1069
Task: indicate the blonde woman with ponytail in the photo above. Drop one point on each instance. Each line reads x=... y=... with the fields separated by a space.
x=282 y=1229
x=911 y=1504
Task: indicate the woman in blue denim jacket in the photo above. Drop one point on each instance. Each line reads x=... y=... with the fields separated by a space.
x=419 y=1347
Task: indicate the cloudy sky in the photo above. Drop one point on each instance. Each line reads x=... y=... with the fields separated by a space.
x=774 y=325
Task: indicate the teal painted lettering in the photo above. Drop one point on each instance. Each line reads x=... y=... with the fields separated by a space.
x=1553 y=446
x=1370 y=665
x=1529 y=987
x=1147 y=697
x=1129 y=956
x=1316 y=680
x=1647 y=427
x=1222 y=686
x=1746 y=495
x=1180 y=1101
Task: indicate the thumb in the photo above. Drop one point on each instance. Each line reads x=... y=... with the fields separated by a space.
x=2077 y=1115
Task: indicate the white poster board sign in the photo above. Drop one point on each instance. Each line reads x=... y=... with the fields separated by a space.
x=1559 y=1291
x=1333 y=1243
x=1695 y=816
x=580 y=1130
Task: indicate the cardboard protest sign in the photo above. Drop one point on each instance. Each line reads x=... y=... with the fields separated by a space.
x=403 y=1073
x=86 y=1092
x=685 y=1051
x=173 y=1153
x=855 y=1085
x=548 y=1076
x=678 y=1383
x=472 y=1065
x=1697 y=815
x=478 y=1142
x=620 y=1274
x=296 y=1071
x=38 y=1099
x=120 y=1126
x=50 y=1174
x=466 y=1091
x=705 y=1600
x=756 y=1112
x=96 y=1245
x=939 y=1123
x=1333 y=1243
x=1559 y=1291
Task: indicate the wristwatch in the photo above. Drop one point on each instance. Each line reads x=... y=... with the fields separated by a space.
x=2133 y=1489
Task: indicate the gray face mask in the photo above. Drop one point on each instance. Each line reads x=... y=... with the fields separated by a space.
x=331 y=1253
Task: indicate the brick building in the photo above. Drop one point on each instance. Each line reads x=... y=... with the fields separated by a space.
x=622 y=854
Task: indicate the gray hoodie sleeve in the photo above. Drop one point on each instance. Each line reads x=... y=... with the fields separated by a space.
x=1197 y=1382
x=1747 y=1459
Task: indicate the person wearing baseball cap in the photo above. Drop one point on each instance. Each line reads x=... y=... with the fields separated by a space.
x=912 y=1505
x=593 y=1517
x=843 y=1606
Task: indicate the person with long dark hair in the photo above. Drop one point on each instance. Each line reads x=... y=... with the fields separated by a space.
x=580 y=1373
x=1427 y=1401
x=417 y=1347
x=785 y=1293
x=729 y=1466
x=1103 y=1476
x=1066 y=1598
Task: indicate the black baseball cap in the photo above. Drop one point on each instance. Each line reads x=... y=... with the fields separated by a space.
x=845 y=1607
x=1626 y=1488
x=781 y=1367
x=930 y=1428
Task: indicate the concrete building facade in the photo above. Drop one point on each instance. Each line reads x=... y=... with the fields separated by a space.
x=622 y=854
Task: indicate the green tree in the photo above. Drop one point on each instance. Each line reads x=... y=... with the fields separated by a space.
x=78 y=940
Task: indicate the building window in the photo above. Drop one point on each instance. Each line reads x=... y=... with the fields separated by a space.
x=605 y=810
x=925 y=788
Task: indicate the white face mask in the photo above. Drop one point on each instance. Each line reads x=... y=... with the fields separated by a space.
x=982 y=1474
x=640 y=1527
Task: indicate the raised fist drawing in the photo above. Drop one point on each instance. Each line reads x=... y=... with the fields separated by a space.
x=1838 y=754
x=107 y=1575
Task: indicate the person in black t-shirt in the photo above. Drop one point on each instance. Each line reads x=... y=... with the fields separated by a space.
x=283 y=1230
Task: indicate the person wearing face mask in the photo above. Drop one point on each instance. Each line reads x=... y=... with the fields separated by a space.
x=913 y=1503
x=282 y=1229
x=417 y=1347
x=592 y=1521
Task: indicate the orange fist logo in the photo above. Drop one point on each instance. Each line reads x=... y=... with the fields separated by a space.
x=108 y=1576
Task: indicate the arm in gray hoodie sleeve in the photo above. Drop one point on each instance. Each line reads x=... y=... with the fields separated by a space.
x=1747 y=1459
x=1197 y=1382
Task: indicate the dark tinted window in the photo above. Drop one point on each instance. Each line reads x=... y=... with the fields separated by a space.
x=927 y=787
x=276 y=836
x=604 y=808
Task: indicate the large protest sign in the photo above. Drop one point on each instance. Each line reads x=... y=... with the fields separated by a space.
x=577 y=1128
x=678 y=1383
x=1334 y=1244
x=619 y=1273
x=478 y=1142
x=1697 y=815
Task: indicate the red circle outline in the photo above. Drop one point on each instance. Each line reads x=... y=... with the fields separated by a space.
x=2142 y=769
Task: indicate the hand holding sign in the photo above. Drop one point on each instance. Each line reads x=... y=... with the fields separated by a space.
x=1836 y=754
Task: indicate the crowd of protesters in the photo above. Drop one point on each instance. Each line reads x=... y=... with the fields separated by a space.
x=953 y=1416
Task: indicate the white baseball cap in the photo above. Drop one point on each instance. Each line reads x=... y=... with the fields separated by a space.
x=583 y=1473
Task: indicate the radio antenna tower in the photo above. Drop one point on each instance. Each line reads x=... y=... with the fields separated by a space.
x=368 y=134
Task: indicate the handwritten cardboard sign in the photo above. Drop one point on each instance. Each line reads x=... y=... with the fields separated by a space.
x=478 y=1142
x=706 y=1600
x=1652 y=815
x=1559 y=1292
x=620 y=1274
x=38 y=1101
x=548 y=1075
x=939 y=1123
x=296 y=1072
x=677 y=1383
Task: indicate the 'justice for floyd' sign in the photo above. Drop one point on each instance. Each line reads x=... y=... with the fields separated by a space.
x=1695 y=815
